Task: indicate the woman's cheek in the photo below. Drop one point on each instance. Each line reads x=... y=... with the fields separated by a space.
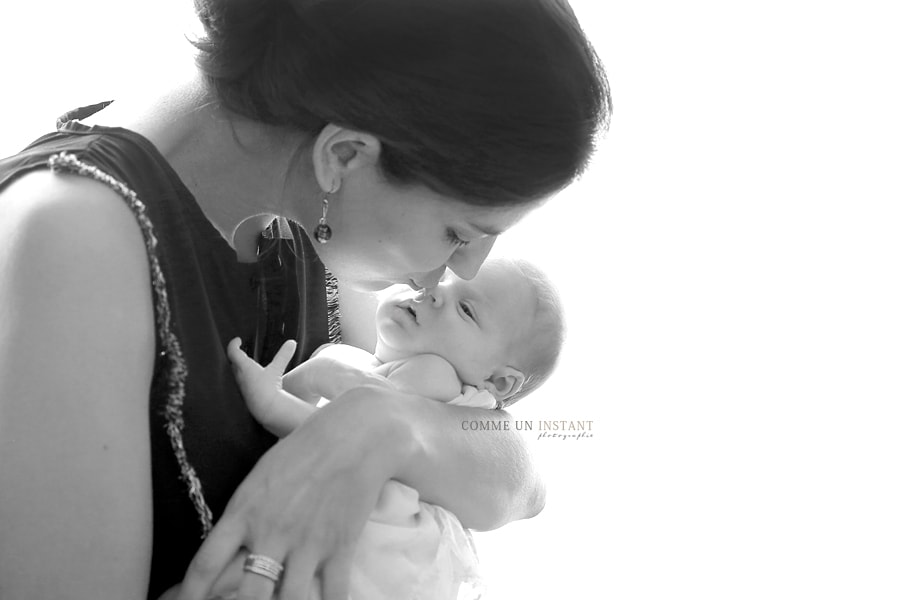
x=412 y=259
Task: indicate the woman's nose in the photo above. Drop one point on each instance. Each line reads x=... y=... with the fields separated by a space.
x=431 y=278
x=466 y=261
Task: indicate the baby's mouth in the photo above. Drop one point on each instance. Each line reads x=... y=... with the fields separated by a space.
x=412 y=312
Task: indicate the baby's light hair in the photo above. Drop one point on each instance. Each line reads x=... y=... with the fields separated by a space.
x=538 y=356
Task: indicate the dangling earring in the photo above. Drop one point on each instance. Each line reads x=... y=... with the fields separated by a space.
x=323 y=231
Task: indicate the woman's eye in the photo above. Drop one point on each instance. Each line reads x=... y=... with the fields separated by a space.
x=454 y=238
x=465 y=308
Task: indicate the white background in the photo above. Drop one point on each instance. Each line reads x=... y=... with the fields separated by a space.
x=730 y=272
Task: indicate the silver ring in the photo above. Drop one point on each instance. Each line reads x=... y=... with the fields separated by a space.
x=265 y=566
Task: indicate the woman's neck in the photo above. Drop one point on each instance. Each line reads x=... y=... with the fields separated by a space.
x=237 y=169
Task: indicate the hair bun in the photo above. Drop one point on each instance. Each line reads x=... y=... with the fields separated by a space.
x=493 y=102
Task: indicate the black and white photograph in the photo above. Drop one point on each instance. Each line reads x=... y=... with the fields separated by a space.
x=449 y=300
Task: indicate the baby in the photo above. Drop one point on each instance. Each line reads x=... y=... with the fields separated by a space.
x=485 y=343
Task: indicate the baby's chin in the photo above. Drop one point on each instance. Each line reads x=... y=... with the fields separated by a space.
x=386 y=353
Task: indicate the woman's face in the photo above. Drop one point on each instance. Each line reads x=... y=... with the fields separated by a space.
x=385 y=234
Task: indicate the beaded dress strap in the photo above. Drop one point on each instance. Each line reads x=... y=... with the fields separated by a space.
x=174 y=368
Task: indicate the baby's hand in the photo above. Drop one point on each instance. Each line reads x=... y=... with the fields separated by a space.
x=260 y=385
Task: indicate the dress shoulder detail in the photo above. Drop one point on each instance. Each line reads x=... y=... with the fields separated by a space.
x=172 y=367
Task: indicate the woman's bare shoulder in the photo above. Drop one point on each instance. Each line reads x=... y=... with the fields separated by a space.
x=67 y=205
x=71 y=251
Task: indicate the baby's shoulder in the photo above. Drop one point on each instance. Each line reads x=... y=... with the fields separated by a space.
x=427 y=375
x=431 y=362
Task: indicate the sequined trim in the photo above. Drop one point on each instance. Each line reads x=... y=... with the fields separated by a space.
x=332 y=300
x=281 y=228
x=174 y=365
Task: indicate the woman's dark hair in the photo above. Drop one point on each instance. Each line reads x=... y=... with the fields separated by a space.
x=494 y=102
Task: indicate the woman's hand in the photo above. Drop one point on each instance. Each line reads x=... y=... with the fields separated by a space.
x=305 y=502
x=225 y=586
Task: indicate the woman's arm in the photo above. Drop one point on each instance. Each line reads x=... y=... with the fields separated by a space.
x=76 y=355
x=484 y=476
x=305 y=502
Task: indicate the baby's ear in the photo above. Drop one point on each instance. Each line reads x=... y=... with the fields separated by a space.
x=505 y=382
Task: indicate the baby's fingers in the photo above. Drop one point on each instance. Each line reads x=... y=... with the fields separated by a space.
x=283 y=357
x=236 y=355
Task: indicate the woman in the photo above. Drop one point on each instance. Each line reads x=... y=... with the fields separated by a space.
x=403 y=136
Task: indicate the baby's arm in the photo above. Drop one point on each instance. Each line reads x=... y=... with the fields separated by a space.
x=332 y=370
x=283 y=403
x=426 y=375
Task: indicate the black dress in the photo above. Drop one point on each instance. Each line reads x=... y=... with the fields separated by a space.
x=203 y=439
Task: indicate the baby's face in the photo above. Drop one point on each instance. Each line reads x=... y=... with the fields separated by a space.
x=471 y=324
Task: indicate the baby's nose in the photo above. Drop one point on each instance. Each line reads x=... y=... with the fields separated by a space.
x=433 y=296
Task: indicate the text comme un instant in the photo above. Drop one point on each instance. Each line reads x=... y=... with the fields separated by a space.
x=491 y=425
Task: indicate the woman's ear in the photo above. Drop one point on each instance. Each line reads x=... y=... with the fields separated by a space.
x=505 y=382
x=338 y=150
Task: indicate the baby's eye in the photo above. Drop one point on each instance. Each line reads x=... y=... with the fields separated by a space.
x=465 y=308
x=454 y=239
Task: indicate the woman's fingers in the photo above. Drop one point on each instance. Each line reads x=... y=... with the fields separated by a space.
x=256 y=587
x=227 y=584
x=297 y=583
x=283 y=357
x=336 y=575
x=211 y=560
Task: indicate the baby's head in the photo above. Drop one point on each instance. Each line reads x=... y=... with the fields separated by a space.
x=502 y=331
